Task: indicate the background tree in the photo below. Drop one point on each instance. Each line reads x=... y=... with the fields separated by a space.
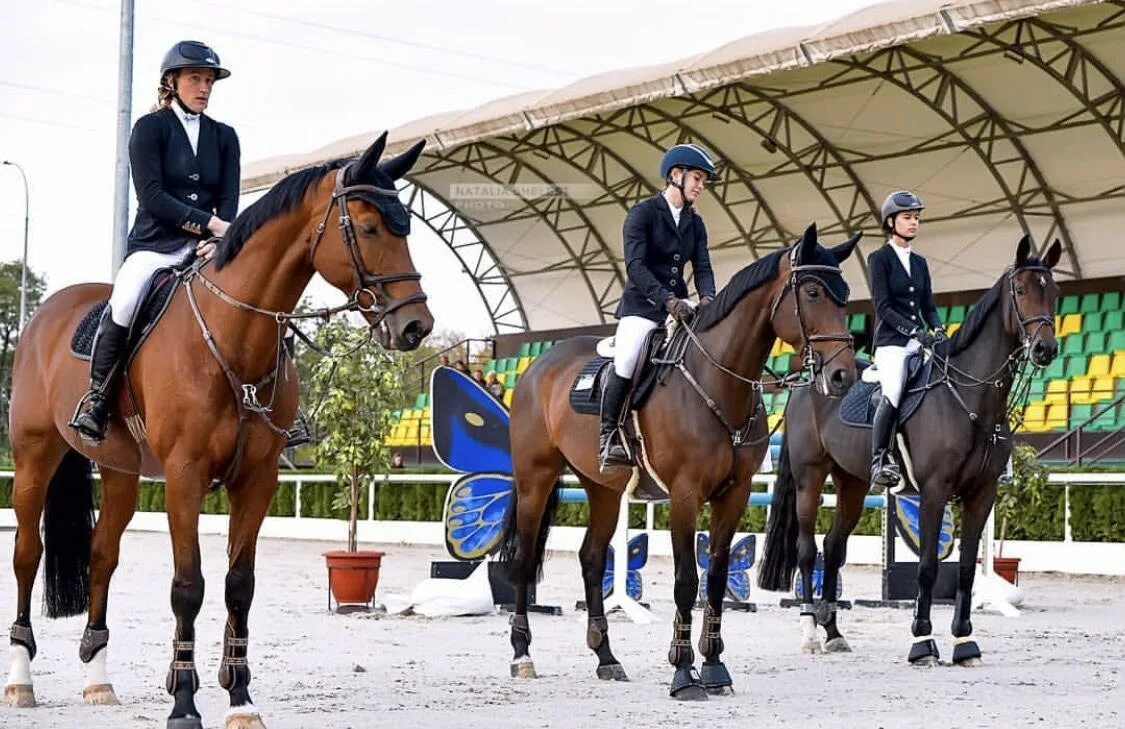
x=9 y=331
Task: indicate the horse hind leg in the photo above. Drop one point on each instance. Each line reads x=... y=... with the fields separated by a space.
x=119 y=501
x=604 y=510
x=37 y=461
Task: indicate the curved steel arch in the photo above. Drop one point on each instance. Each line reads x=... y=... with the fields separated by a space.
x=485 y=271
x=479 y=163
x=948 y=95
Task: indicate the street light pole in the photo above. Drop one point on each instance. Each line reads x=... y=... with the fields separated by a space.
x=23 y=271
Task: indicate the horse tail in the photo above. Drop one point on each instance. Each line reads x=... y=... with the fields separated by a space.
x=68 y=522
x=779 y=559
x=522 y=566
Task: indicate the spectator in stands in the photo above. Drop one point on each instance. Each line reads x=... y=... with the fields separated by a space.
x=495 y=387
x=397 y=462
x=478 y=377
x=662 y=234
x=444 y=360
x=905 y=314
x=460 y=366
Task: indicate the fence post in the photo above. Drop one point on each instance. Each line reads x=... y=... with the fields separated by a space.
x=297 y=496
x=1067 y=536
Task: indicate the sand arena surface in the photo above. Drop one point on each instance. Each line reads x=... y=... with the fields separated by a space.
x=1059 y=665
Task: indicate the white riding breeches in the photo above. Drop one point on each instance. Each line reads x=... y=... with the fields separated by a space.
x=627 y=343
x=132 y=280
x=890 y=365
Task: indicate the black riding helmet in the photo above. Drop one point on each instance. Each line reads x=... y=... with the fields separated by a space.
x=192 y=54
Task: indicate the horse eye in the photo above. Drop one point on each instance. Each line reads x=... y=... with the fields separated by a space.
x=812 y=293
x=369 y=229
x=1020 y=290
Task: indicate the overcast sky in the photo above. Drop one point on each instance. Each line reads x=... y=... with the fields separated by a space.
x=305 y=74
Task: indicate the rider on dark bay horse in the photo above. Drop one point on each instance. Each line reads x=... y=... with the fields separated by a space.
x=186 y=172
x=662 y=234
x=903 y=298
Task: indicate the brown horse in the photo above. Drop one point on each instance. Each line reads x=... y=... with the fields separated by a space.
x=959 y=441
x=690 y=427
x=221 y=331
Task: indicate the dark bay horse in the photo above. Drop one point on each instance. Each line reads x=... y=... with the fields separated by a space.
x=202 y=421
x=796 y=294
x=958 y=442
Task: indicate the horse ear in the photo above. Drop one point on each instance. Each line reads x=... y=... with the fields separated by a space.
x=808 y=244
x=400 y=165
x=842 y=251
x=365 y=166
x=1023 y=250
x=1054 y=253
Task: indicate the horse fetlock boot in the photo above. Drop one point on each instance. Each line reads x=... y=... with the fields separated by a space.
x=711 y=639
x=611 y=451
x=716 y=678
x=23 y=635
x=924 y=652
x=92 y=642
x=92 y=415
x=966 y=652
x=234 y=671
x=596 y=630
x=884 y=471
x=687 y=685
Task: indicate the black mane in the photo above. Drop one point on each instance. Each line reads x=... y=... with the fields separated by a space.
x=749 y=278
x=281 y=198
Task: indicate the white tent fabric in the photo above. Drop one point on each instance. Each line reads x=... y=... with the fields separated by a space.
x=1006 y=116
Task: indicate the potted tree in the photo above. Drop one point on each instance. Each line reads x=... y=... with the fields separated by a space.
x=353 y=417
x=1024 y=493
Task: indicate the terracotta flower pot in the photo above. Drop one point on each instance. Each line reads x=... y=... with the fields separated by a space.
x=1008 y=568
x=352 y=576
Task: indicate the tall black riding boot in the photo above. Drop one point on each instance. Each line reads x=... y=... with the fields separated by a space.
x=611 y=452
x=884 y=470
x=109 y=347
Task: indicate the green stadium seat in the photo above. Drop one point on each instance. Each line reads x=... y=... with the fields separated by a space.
x=1093 y=322
x=1117 y=339
x=781 y=363
x=1107 y=419
x=420 y=401
x=767 y=401
x=1089 y=303
x=943 y=313
x=525 y=349
x=1076 y=366
x=1068 y=305
x=1095 y=343
x=1114 y=321
x=780 y=400
x=1111 y=301
x=536 y=349
x=956 y=314
x=1079 y=414
x=489 y=366
x=1055 y=370
x=1038 y=388
x=1073 y=345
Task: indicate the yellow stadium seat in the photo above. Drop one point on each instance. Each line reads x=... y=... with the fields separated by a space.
x=1056 y=392
x=952 y=328
x=522 y=364
x=776 y=349
x=1058 y=325
x=1080 y=390
x=508 y=397
x=772 y=421
x=1099 y=365
x=425 y=435
x=786 y=349
x=1102 y=389
x=1118 y=368
x=1071 y=324
x=1033 y=418
x=1057 y=416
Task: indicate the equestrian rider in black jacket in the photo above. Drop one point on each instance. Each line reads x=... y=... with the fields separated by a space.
x=662 y=234
x=903 y=297
x=185 y=169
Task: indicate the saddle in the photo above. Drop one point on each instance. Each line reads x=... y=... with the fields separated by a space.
x=858 y=406
x=154 y=303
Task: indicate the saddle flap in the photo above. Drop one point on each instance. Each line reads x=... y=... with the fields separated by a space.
x=586 y=391
x=157 y=296
x=858 y=406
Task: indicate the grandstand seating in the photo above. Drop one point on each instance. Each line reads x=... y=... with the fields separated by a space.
x=1089 y=371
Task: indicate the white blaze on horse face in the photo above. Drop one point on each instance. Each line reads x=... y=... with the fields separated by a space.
x=1043 y=281
x=20 y=672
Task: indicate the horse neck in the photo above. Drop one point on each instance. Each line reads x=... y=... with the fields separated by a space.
x=270 y=272
x=985 y=359
x=741 y=342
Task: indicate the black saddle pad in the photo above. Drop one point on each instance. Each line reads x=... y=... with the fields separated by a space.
x=586 y=392
x=858 y=406
x=155 y=301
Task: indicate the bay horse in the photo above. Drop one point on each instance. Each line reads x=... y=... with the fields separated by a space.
x=958 y=442
x=692 y=443
x=202 y=420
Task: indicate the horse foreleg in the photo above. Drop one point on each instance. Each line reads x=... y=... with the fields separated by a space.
x=809 y=483
x=924 y=651
x=686 y=683
x=850 y=493
x=119 y=501
x=249 y=502
x=725 y=515
x=604 y=508
x=183 y=496
x=974 y=516
x=522 y=548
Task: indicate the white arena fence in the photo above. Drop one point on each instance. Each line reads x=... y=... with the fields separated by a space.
x=1067 y=555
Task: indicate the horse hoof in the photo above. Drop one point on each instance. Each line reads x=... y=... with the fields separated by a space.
x=811 y=647
x=19 y=695
x=970 y=663
x=184 y=722
x=926 y=661
x=720 y=690
x=100 y=695
x=691 y=692
x=244 y=721
x=523 y=668
x=612 y=672
x=837 y=645
x=716 y=679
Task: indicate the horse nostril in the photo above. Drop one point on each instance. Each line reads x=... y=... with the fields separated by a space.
x=413 y=333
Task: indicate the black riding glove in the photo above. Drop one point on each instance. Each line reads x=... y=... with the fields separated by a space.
x=680 y=309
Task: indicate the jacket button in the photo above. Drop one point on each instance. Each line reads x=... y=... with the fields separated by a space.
x=675 y=270
x=193 y=197
x=914 y=318
x=195 y=176
x=676 y=257
x=911 y=288
x=672 y=282
x=912 y=303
